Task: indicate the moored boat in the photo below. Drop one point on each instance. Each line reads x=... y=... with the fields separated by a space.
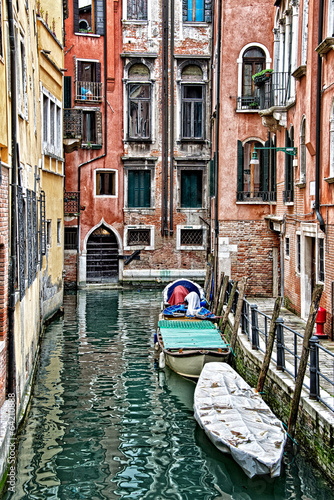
x=238 y=421
x=186 y=346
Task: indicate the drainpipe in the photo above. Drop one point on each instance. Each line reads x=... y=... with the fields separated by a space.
x=164 y=222
x=216 y=164
x=318 y=124
x=105 y=120
x=13 y=223
x=171 y=191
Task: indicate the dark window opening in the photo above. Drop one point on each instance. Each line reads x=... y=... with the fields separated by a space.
x=298 y=254
x=321 y=261
x=139 y=237
x=88 y=127
x=192 y=111
x=105 y=183
x=71 y=238
x=287 y=246
x=137 y=10
x=191 y=237
x=191 y=189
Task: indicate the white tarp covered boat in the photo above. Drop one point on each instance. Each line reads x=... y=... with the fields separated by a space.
x=238 y=421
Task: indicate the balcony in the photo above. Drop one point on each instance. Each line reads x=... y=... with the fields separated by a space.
x=71 y=203
x=89 y=91
x=256 y=196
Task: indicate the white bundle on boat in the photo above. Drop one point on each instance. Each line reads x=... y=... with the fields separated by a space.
x=238 y=421
x=194 y=303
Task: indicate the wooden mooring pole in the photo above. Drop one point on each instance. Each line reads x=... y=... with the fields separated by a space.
x=270 y=345
x=316 y=296
x=222 y=295
x=238 y=312
x=223 y=321
x=217 y=294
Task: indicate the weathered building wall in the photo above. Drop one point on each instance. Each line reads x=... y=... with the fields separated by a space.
x=4 y=239
x=245 y=193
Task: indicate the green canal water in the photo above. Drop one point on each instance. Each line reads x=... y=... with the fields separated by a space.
x=106 y=423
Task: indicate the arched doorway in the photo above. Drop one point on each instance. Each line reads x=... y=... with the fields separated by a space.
x=102 y=257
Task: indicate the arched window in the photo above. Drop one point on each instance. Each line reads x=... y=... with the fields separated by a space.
x=192 y=99
x=139 y=102
x=302 y=151
x=253 y=61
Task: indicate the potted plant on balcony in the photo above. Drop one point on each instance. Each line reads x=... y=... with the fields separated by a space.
x=253 y=105
x=262 y=76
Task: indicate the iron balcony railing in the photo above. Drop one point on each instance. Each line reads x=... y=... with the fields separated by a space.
x=256 y=196
x=71 y=202
x=287 y=350
x=89 y=91
x=272 y=90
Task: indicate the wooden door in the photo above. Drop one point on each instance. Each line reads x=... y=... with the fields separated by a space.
x=102 y=257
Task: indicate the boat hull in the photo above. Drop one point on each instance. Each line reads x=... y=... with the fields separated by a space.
x=191 y=366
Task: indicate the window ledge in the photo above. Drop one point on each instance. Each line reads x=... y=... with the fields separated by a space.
x=143 y=211
x=330 y=180
x=196 y=23
x=139 y=140
x=289 y=203
x=301 y=185
x=190 y=248
x=258 y=202
x=325 y=46
x=91 y=35
x=197 y=141
x=299 y=72
x=248 y=110
x=135 y=21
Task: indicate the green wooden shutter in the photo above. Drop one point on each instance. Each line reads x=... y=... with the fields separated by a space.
x=67 y=91
x=264 y=174
x=99 y=17
x=240 y=168
x=139 y=188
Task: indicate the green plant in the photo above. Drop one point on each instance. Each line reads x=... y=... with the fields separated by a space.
x=263 y=72
x=253 y=105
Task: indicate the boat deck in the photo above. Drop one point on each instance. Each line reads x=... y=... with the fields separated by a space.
x=190 y=335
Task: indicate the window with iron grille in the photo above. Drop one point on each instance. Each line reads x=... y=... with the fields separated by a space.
x=191 y=237
x=139 y=237
x=321 y=260
x=71 y=238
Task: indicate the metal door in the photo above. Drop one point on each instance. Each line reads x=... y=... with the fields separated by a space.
x=102 y=257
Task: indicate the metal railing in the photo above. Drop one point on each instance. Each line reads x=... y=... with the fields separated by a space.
x=89 y=91
x=287 y=350
x=256 y=196
x=275 y=91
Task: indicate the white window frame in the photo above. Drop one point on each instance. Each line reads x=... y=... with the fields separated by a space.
x=287 y=239
x=303 y=58
x=188 y=247
x=48 y=147
x=106 y=171
x=136 y=21
x=330 y=27
x=139 y=247
x=240 y=62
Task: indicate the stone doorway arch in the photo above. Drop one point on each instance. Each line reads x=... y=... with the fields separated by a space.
x=102 y=256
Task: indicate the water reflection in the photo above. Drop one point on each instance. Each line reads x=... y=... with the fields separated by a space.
x=106 y=423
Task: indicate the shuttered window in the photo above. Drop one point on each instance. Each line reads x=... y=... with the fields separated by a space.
x=197 y=11
x=88 y=17
x=139 y=188
x=191 y=189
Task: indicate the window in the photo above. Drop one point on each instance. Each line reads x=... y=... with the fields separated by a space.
x=304 y=33
x=88 y=16
x=48 y=233
x=321 y=270
x=84 y=124
x=139 y=188
x=287 y=246
x=331 y=143
x=190 y=238
x=330 y=18
x=298 y=254
x=137 y=237
x=71 y=238
x=88 y=84
x=52 y=140
x=105 y=183
x=58 y=232
x=139 y=103
x=196 y=11
x=254 y=61
x=289 y=177
x=256 y=180
x=88 y=127
x=137 y=10
x=191 y=188
x=192 y=98
x=302 y=152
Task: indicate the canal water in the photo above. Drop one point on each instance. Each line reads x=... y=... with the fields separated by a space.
x=106 y=423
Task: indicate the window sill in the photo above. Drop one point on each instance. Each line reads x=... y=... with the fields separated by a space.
x=190 y=248
x=91 y=35
x=255 y=202
x=147 y=141
x=325 y=46
x=248 y=110
x=143 y=211
x=139 y=22
x=289 y=203
x=191 y=140
x=329 y=180
x=93 y=146
x=196 y=23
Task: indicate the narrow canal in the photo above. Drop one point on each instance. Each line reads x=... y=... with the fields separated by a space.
x=106 y=423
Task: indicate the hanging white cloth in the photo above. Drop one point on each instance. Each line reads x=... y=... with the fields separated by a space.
x=194 y=303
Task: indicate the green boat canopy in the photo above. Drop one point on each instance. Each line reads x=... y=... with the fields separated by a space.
x=190 y=335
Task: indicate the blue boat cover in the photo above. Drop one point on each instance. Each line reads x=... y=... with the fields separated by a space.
x=190 y=335
x=181 y=309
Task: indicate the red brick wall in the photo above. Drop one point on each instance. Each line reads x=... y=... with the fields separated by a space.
x=254 y=256
x=4 y=237
x=70 y=266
